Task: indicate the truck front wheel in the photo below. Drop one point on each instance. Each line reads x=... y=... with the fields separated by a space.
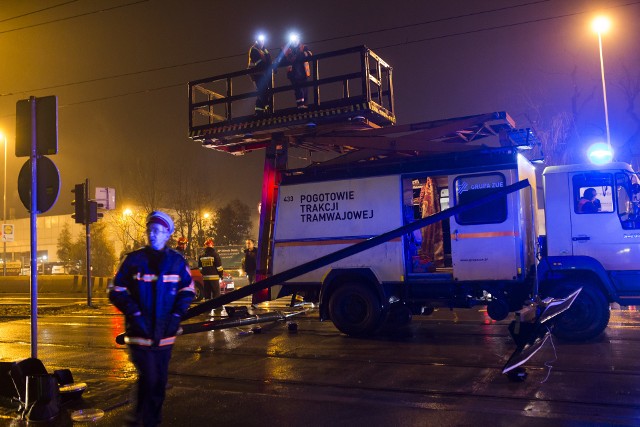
x=355 y=310
x=588 y=316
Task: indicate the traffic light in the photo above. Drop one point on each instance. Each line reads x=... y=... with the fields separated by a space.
x=79 y=202
x=94 y=215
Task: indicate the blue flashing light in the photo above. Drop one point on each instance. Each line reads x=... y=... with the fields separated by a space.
x=600 y=153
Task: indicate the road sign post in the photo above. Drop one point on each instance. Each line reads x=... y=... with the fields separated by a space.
x=37 y=135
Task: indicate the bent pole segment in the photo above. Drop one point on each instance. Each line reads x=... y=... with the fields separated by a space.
x=301 y=269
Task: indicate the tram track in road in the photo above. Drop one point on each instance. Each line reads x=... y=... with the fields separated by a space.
x=446 y=363
x=438 y=339
x=584 y=411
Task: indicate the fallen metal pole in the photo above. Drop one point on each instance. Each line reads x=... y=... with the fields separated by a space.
x=277 y=279
x=214 y=325
x=283 y=276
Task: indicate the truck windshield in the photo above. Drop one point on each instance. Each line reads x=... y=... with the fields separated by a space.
x=593 y=193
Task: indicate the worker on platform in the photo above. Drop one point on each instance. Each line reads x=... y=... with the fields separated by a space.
x=211 y=268
x=298 y=71
x=260 y=64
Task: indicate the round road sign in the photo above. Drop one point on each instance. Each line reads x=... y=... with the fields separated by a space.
x=48 y=185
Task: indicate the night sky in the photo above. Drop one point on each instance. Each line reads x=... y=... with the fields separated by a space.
x=120 y=70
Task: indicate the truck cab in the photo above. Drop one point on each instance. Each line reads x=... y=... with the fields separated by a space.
x=597 y=249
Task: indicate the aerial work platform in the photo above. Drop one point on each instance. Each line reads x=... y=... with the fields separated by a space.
x=356 y=86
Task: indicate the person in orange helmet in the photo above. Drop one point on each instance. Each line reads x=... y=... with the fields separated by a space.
x=181 y=246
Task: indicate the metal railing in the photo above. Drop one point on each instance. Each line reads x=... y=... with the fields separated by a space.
x=353 y=75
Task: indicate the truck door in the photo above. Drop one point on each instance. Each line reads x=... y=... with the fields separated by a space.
x=485 y=242
x=598 y=220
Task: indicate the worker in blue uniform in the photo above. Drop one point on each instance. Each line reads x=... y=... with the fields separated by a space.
x=153 y=289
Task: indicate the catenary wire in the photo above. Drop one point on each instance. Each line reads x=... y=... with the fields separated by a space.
x=74 y=16
x=38 y=11
x=404 y=43
x=220 y=58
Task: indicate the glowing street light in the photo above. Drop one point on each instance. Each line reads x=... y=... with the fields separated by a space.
x=601 y=25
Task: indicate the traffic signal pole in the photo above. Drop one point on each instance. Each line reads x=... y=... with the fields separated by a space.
x=88 y=233
x=86 y=212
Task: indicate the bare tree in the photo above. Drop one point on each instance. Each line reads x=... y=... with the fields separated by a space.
x=146 y=184
x=127 y=227
x=194 y=206
x=630 y=85
x=558 y=129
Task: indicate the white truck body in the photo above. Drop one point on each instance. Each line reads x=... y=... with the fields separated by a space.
x=314 y=220
x=490 y=250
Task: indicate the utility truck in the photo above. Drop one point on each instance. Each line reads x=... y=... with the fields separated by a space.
x=496 y=254
x=508 y=254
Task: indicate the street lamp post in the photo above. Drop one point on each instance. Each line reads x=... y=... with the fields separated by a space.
x=601 y=25
x=4 y=210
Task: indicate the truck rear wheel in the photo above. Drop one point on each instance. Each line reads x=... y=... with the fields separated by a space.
x=588 y=316
x=355 y=310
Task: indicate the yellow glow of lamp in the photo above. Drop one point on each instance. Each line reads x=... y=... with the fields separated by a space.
x=601 y=25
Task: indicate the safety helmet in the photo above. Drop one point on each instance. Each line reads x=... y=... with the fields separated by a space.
x=208 y=242
x=294 y=39
x=260 y=38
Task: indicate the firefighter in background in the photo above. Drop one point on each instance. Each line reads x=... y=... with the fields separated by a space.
x=211 y=269
x=181 y=246
x=260 y=64
x=298 y=71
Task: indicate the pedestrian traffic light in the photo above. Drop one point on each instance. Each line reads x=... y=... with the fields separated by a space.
x=79 y=202
x=94 y=215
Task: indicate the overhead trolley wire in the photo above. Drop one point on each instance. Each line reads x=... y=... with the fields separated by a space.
x=67 y=18
x=220 y=58
x=37 y=11
x=404 y=43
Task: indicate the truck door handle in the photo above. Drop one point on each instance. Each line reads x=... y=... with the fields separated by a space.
x=456 y=235
x=576 y=239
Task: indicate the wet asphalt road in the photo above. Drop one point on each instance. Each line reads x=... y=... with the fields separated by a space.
x=443 y=370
